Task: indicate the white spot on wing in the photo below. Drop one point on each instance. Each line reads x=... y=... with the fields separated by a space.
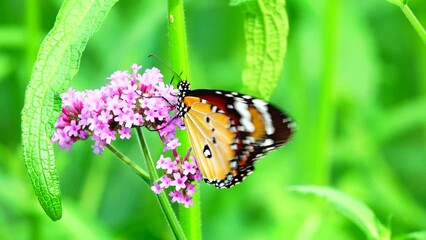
x=267 y=142
x=262 y=107
x=242 y=109
x=229 y=177
x=269 y=149
x=292 y=125
x=234 y=164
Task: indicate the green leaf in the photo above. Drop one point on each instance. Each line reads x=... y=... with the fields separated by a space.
x=266 y=29
x=238 y=2
x=354 y=210
x=420 y=235
x=57 y=63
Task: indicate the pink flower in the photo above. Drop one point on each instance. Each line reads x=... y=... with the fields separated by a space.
x=189 y=167
x=163 y=162
x=187 y=201
x=179 y=181
x=72 y=129
x=190 y=189
x=173 y=144
x=165 y=181
x=156 y=188
x=179 y=173
x=171 y=167
x=114 y=108
x=124 y=133
x=176 y=196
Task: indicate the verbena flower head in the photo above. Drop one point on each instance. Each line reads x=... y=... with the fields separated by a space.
x=179 y=175
x=130 y=100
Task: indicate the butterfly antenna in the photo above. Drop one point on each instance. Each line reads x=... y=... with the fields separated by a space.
x=163 y=127
x=168 y=66
x=167 y=101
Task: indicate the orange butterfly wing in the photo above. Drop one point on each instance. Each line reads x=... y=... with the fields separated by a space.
x=210 y=139
x=230 y=131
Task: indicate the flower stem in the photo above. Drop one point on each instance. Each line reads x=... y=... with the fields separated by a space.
x=138 y=170
x=414 y=21
x=162 y=197
x=190 y=218
x=411 y=17
x=319 y=163
x=177 y=38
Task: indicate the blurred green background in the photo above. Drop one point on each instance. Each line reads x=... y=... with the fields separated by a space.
x=360 y=59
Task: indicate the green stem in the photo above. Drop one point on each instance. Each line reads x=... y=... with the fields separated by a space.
x=162 y=197
x=138 y=170
x=177 y=38
x=190 y=218
x=320 y=164
x=414 y=21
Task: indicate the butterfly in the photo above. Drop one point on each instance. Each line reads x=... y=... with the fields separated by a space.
x=229 y=131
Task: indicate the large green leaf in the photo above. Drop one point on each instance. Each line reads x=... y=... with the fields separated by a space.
x=266 y=29
x=354 y=210
x=57 y=63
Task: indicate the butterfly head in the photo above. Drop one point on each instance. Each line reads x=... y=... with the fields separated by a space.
x=184 y=87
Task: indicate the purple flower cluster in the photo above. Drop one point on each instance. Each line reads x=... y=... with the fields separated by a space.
x=180 y=174
x=130 y=100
